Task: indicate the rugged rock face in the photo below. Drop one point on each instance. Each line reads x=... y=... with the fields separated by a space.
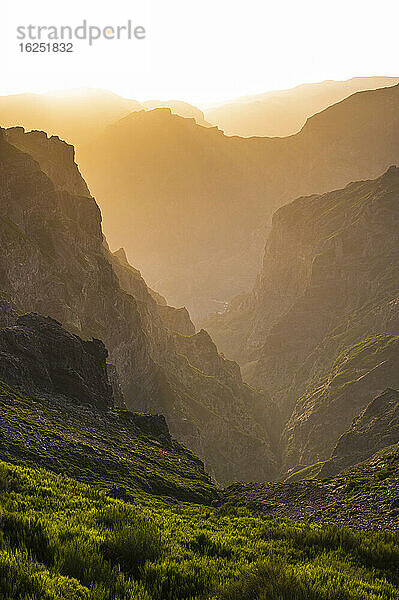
x=55 y=157
x=39 y=356
x=130 y=280
x=377 y=427
x=320 y=329
x=8 y=313
x=54 y=262
x=176 y=319
x=330 y=403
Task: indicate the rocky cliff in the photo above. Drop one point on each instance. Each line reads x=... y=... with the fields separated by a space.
x=320 y=329
x=55 y=157
x=55 y=262
x=376 y=428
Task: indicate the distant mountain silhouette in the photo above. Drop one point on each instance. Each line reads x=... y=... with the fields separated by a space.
x=284 y=112
x=77 y=115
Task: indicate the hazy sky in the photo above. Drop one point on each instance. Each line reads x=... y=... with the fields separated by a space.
x=204 y=51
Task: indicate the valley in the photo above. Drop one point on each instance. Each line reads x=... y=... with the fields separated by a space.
x=252 y=457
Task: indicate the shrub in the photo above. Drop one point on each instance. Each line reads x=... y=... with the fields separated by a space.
x=205 y=545
x=132 y=545
x=27 y=533
x=174 y=580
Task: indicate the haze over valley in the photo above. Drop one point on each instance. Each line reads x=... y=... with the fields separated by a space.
x=199 y=345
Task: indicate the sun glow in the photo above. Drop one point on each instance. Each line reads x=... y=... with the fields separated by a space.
x=203 y=53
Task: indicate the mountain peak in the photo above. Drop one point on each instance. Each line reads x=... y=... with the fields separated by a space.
x=121 y=255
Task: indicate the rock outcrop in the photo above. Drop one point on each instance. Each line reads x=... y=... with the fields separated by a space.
x=176 y=319
x=55 y=157
x=40 y=357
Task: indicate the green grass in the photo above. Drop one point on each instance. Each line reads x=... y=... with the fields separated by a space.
x=63 y=540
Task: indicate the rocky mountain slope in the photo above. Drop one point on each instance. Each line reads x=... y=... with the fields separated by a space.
x=284 y=112
x=104 y=447
x=376 y=428
x=55 y=262
x=191 y=206
x=320 y=330
x=57 y=411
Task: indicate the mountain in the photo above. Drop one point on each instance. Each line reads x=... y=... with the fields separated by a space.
x=38 y=355
x=77 y=115
x=320 y=330
x=192 y=207
x=55 y=262
x=284 y=112
x=178 y=107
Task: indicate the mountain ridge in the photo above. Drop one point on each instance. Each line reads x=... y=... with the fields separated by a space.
x=284 y=112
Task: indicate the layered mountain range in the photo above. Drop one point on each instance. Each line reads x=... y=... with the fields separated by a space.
x=284 y=112
x=77 y=115
x=320 y=330
x=55 y=262
x=192 y=206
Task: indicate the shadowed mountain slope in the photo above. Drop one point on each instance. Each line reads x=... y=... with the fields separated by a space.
x=376 y=428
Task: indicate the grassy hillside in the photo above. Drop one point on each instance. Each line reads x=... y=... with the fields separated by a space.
x=99 y=447
x=64 y=540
